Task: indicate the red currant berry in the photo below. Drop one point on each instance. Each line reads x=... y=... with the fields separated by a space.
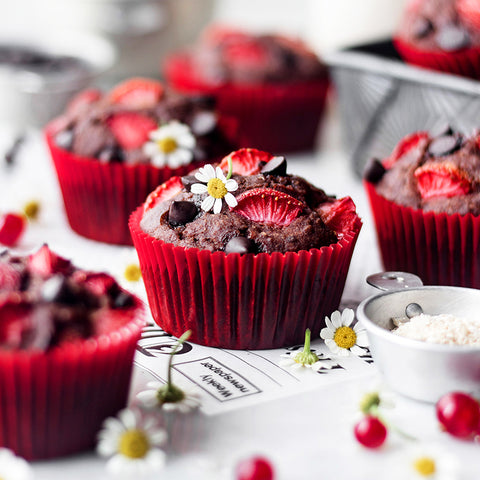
x=370 y=432
x=459 y=414
x=12 y=226
x=254 y=468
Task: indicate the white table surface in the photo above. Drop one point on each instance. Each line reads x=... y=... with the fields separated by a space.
x=306 y=436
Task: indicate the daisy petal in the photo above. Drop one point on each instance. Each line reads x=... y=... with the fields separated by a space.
x=326 y=333
x=231 y=185
x=207 y=203
x=217 y=207
x=159 y=159
x=199 y=188
x=347 y=317
x=231 y=200
x=336 y=319
x=362 y=338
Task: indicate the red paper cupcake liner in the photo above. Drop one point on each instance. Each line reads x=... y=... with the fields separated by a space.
x=99 y=197
x=242 y=302
x=441 y=249
x=273 y=117
x=53 y=403
x=464 y=62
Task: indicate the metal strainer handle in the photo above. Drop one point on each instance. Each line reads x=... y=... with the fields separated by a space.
x=390 y=281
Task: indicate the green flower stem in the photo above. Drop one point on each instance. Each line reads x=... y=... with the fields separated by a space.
x=230 y=168
x=180 y=341
x=375 y=412
x=306 y=357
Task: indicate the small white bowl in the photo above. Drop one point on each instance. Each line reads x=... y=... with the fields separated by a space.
x=31 y=99
x=420 y=370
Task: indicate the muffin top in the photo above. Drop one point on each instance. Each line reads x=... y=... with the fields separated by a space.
x=259 y=208
x=45 y=302
x=433 y=171
x=139 y=121
x=225 y=55
x=437 y=25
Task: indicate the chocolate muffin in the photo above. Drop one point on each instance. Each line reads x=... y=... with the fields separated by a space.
x=438 y=34
x=273 y=85
x=67 y=337
x=274 y=213
x=244 y=261
x=111 y=150
x=425 y=199
x=118 y=126
x=225 y=55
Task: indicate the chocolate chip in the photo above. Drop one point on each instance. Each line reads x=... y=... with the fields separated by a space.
x=422 y=27
x=12 y=152
x=56 y=289
x=181 y=212
x=188 y=181
x=374 y=171
x=203 y=123
x=444 y=145
x=240 y=245
x=452 y=37
x=122 y=300
x=64 y=139
x=441 y=130
x=276 y=166
x=111 y=153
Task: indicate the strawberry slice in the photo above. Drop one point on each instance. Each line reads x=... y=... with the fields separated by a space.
x=339 y=215
x=10 y=278
x=405 y=145
x=246 y=161
x=266 y=205
x=131 y=129
x=247 y=54
x=137 y=93
x=97 y=282
x=441 y=180
x=217 y=34
x=163 y=192
x=45 y=263
x=82 y=100
x=469 y=12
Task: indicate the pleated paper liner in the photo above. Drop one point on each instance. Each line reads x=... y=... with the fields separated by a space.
x=242 y=302
x=464 y=62
x=276 y=117
x=53 y=403
x=99 y=197
x=441 y=249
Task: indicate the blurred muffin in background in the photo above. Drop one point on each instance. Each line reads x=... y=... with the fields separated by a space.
x=112 y=149
x=274 y=85
x=442 y=35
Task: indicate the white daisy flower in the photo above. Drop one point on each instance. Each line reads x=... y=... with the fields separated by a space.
x=306 y=358
x=169 y=396
x=426 y=462
x=171 y=145
x=13 y=467
x=174 y=397
x=217 y=186
x=127 y=272
x=323 y=363
x=340 y=337
x=132 y=443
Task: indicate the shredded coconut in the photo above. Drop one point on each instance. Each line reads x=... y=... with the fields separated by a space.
x=445 y=328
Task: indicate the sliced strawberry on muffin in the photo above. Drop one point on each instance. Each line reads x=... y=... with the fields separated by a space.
x=137 y=93
x=266 y=205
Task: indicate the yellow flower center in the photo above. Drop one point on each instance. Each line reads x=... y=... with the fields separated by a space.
x=31 y=210
x=134 y=444
x=216 y=188
x=345 y=337
x=425 y=466
x=167 y=144
x=132 y=273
